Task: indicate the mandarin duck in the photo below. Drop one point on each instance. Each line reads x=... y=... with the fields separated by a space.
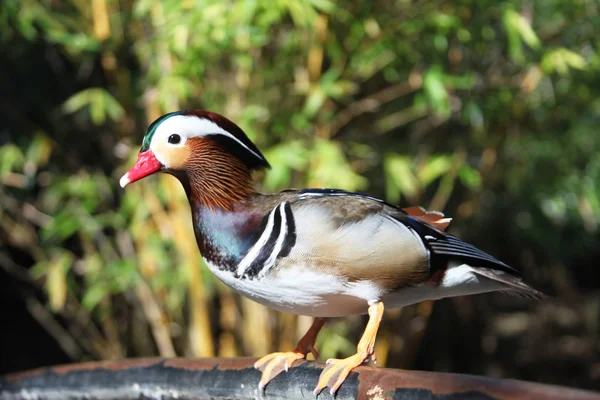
x=317 y=252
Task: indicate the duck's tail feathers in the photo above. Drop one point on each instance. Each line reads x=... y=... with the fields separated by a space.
x=514 y=283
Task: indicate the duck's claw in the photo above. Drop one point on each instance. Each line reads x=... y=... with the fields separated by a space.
x=273 y=364
x=336 y=372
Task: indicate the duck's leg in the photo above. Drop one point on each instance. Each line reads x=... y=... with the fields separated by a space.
x=273 y=364
x=338 y=369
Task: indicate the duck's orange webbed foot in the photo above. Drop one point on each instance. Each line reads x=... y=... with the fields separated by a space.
x=273 y=364
x=337 y=370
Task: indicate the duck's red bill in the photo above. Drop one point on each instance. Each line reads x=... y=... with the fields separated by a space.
x=146 y=164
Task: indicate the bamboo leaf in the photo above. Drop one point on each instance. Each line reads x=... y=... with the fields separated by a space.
x=561 y=60
x=101 y=105
x=470 y=177
x=435 y=167
x=329 y=167
x=519 y=30
x=400 y=178
x=56 y=280
x=435 y=91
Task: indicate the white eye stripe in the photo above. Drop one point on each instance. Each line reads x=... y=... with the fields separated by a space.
x=190 y=126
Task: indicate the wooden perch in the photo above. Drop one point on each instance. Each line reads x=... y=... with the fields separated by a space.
x=237 y=379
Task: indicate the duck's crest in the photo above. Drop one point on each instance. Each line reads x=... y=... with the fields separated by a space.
x=152 y=129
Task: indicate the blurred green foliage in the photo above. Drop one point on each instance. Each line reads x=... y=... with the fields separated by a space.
x=486 y=110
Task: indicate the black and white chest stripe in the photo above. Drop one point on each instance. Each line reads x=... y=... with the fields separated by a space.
x=276 y=240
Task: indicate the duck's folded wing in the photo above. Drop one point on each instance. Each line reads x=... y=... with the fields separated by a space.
x=345 y=235
x=345 y=207
x=361 y=237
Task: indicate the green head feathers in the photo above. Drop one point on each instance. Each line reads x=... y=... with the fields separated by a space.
x=152 y=129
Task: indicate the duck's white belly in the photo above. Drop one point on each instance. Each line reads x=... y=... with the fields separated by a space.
x=459 y=280
x=304 y=292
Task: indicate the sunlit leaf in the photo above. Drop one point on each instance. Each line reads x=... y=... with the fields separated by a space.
x=61 y=226
x=56 y=280
x=470 y=177
x=39 y=151
x=323 y=5
x=443 y=21
x=329 y=168
x=435 y=90
x=284 y=158
x=142 y=7
x=561 y=60
x=434 y=168
x=400 y=178
x=519 y=30
x=94 y=295
x=101 y=105
x=314 y=101
x=11 y=158
x=77 y=101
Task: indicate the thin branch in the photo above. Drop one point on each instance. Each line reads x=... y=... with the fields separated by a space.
x=15 y=270
x=154 y=313
x=373 y=102
x=150 y=305
x=54 y=329
x=400 y=118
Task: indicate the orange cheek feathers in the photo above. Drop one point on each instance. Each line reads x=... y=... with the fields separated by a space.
x=173 y=157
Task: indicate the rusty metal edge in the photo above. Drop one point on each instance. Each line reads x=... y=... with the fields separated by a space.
x=237 y=379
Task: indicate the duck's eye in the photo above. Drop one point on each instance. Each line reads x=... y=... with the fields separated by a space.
x=174 y=139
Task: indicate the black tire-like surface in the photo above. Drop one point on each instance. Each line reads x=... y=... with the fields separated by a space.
x=237 y=379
